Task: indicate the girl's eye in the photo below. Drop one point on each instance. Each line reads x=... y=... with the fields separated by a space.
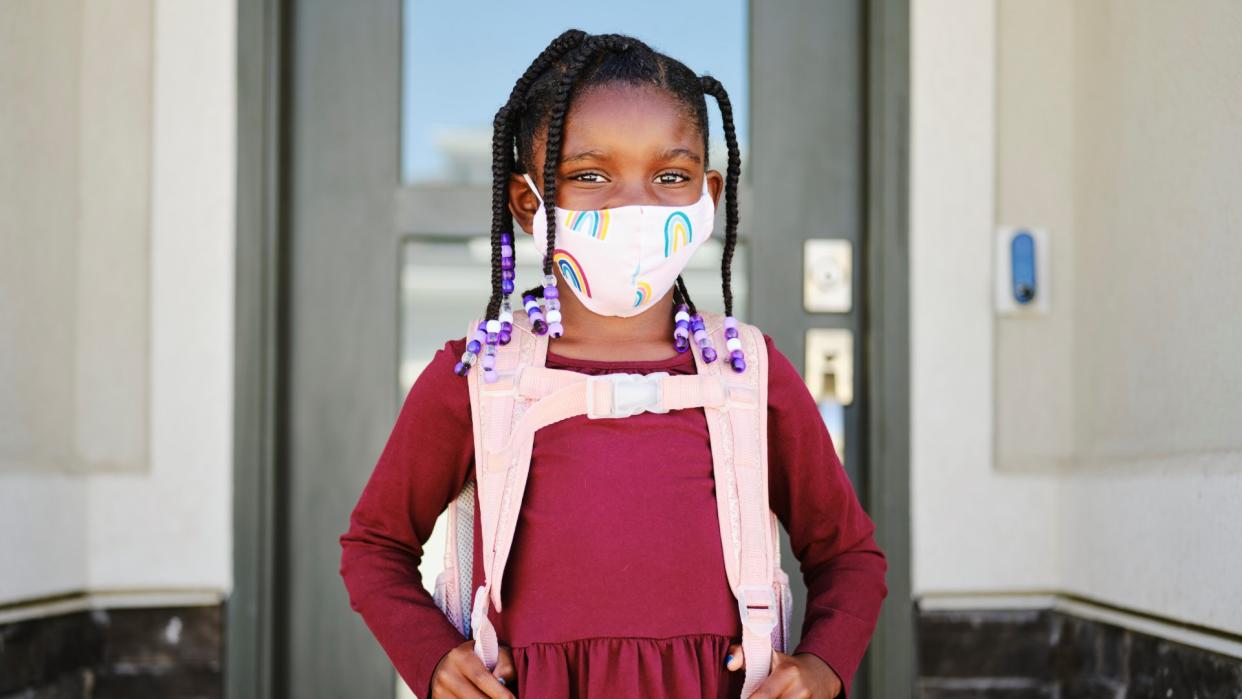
x=579 y=177
x=671 y=178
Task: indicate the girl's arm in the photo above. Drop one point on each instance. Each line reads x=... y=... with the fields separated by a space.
x=427 y=459
x=830 y=533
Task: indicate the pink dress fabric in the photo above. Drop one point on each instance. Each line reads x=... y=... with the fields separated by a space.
x=615 y=586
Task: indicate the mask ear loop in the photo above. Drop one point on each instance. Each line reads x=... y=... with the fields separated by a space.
x=530 y=183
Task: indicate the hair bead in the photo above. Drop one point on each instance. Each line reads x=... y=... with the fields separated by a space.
x=537 y=325
x=737 y=358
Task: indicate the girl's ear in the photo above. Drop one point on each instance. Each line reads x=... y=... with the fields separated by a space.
x=715 y=185
x=522 y=202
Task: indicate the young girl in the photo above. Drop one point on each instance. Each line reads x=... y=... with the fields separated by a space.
x=615 y=584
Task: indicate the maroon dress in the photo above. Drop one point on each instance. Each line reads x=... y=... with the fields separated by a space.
x=616 y=583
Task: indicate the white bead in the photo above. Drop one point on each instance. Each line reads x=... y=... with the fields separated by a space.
x=493 y=326
x=549 y=280
x=733 y=343
x=682 y=315
x=506 y=316
x=554 y=317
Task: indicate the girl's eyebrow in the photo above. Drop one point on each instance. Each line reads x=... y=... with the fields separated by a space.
x=584 y=155
x=684 y=152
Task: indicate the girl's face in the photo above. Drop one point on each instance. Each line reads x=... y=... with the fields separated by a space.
x=622 y=145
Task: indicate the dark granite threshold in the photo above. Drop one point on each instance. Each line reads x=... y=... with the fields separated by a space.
x=1049 y=654
x=171 y=652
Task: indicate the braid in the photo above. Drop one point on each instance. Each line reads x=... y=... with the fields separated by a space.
x=712 y=86
x=682 y=295
x=501 y=219
x=504 y=137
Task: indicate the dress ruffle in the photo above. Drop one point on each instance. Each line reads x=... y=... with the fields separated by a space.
x=678 y=667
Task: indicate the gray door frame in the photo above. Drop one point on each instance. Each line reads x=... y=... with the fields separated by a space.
x=266 y=644
x=887 y=340
x=252 y=647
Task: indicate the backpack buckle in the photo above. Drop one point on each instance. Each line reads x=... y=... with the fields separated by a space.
x=631 y=394
x=752 y=599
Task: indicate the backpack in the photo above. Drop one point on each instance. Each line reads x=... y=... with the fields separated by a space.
x=527 y=396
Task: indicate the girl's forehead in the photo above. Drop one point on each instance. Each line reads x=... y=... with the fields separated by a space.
x=643 y=118
x=626 y=99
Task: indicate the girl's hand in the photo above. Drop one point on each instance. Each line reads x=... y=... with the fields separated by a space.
x=797 y=676
x=460 y=674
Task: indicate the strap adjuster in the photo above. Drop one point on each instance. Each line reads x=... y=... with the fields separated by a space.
x=760 y=599
x=631 y=394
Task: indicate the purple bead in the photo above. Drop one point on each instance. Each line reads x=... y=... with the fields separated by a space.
x=489 y=376
x=683 y=324
x=506 y=263
x=737 y=354
x=506 y=250
x=550 y=292
x=461 y=369
x=528 y=299
x=535 y=314
x=538 y=326
x=489 y=361
x=556 y=329
x=700 y=336
x=505 y=337
x=480 y=336
x=730 y=322
x=709 y=355
x=681 y=344
x=474 y=346
x=506 y=326
x=681 y=332
x=506 y=238
x=507 y=274
x=730 y=333
x=739 y=365
x=506 y=285
x=696 y=322
x=683 y=308
x=492 y=338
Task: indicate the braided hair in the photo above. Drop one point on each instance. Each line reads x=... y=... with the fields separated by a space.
x=541 y=99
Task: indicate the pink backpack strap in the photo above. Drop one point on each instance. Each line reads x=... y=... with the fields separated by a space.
x=495 y=409
x=738 y=431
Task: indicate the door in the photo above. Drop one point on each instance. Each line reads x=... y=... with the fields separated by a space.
x=385 y=209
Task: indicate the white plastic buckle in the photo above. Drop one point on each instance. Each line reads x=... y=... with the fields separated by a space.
x=631 y=394
x=757 y=598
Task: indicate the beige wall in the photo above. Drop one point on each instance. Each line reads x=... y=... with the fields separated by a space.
x=75 y=143
x=116 y=296
x=1094 y=451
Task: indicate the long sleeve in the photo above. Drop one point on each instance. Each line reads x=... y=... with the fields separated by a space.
x=830 y=533
x=424 y=464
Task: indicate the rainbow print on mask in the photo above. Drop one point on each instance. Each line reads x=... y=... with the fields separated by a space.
x=677 y=232
x=571 y=271
x=593 y=223
x=642 y=294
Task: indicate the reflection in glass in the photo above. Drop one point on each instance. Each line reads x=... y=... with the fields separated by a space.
x=461 y=60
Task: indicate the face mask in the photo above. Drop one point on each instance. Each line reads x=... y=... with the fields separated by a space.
x=621 y=261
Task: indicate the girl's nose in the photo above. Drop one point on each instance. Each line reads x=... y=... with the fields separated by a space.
x=631 y=193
